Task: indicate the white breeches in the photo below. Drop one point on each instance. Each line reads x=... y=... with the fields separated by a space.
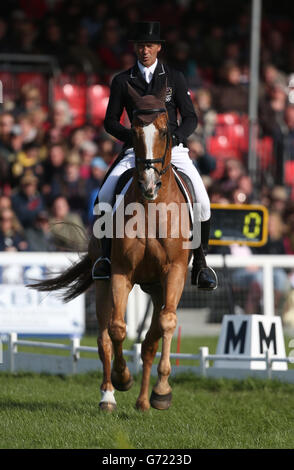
x=180 y=158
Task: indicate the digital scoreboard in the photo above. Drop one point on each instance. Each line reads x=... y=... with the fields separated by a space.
x=245 y=224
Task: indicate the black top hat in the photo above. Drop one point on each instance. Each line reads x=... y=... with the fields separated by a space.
x=147 y=31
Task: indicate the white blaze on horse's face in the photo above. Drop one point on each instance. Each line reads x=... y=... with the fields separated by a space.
x=149 y=179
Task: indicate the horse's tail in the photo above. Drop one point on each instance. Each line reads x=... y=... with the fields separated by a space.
x=74 y=280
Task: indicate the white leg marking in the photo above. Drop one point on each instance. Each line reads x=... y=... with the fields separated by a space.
x=107 y=397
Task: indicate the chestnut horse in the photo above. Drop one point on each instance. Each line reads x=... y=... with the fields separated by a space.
x=158 y=265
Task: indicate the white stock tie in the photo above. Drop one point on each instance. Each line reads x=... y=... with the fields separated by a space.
x=148 y=76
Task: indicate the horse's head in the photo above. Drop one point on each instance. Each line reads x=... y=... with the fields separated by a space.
x=151 y=141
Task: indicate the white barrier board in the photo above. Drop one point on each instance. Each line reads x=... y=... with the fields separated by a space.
x=251 y=335
x=27 y=311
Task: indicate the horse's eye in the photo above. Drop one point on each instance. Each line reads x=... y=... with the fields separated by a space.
x=163 y=132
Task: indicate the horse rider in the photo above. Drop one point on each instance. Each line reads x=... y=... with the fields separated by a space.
x=147 y=77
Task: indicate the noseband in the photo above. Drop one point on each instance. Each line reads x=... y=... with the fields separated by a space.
x=149 y=162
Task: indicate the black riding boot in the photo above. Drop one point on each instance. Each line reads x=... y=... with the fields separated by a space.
x=102 y=267
x=202 y=275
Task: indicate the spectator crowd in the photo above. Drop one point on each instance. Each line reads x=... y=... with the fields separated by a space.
x=51 y=169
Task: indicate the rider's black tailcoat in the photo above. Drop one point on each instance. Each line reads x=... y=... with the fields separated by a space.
x=177 y=100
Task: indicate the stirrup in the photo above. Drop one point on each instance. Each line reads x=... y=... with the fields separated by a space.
x=210 y=279
x=104 y=268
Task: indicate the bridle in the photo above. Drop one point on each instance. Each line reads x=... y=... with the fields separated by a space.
x=149 y=162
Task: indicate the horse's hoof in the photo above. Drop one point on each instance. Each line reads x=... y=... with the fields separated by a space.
x=122 y=387
x=106 y=406
x=142 y=406
x=160 y=402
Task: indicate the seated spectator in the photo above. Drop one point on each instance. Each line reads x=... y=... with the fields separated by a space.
x=72 y=186
x=6 y=126
x=39 y=235
x=204 y=162
x=95 y=17
x=89 y=132
x=284 y=144
x=5 y=202
x=62 y=119
x=4 y=40
x=29 y=131
x=272 y=110
x=181 y=60
x=38 y=118
x=53 y=167
x=242 y=194
x=52 y=43
x=6 y=148
x=289 y=233
x=11 y=234
x=88 y=150
x=271 y=77
x=231 y=96
x=206 y=113
x=81 y=51
x=234 y=169
x=278 y=199
x=30 y=99
x=67 y=228
x=98 y=171
x=27 y=202
x=110 y=46
x=108 y=148
x=27 y=161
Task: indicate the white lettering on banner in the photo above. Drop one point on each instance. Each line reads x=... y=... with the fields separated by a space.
x=252 y=336
x=27 y=311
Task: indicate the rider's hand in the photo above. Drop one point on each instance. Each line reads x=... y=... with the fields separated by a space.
x=175 y=140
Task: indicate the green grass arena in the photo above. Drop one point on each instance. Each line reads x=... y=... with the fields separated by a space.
x=43 y=411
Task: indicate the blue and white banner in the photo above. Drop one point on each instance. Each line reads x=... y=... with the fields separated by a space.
x=26 y=311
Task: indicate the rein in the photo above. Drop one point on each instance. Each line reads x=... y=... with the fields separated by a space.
x=149 y=162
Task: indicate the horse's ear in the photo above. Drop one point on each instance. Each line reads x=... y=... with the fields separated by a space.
x=134 y=95
x=161 y=95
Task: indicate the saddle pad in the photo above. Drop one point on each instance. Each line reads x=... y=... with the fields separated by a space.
x=187 y=189
x=183 y=181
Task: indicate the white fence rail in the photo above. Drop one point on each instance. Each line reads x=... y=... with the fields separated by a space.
x=138 y=300
x=267 y=263
x=73 y=363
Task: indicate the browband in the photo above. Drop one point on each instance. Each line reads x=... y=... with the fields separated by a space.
x=149 y=111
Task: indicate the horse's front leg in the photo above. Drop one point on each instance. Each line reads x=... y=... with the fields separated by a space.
x=120 y=376
x=149 y=348
x=103 y=309
x=161 y=394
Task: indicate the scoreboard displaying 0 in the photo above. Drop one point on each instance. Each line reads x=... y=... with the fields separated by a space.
x=245 y=224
